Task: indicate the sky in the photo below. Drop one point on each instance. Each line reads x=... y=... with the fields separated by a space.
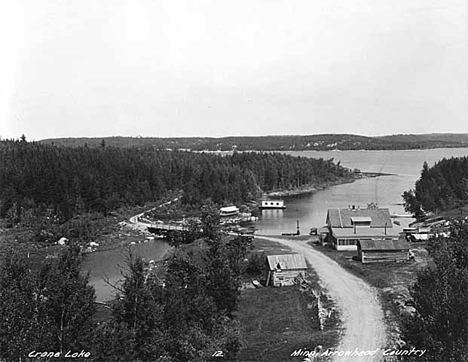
x=162 y=68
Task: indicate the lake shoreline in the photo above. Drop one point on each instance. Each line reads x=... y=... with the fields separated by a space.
x=310 y=189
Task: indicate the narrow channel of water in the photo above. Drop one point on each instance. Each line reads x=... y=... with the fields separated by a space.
x=310 y=209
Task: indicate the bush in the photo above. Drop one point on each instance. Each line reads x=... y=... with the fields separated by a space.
x=256 y=264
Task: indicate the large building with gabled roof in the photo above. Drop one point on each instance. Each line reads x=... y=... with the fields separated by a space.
x=348 y=226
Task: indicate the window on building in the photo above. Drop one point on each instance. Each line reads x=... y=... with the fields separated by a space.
x=346 y=242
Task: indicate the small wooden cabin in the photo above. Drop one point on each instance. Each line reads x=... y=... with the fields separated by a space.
x=371 y=251
x=282 y=269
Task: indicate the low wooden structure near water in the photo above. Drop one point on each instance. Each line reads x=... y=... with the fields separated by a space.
x=372 y=251
x=167 y=230
x=282 y=269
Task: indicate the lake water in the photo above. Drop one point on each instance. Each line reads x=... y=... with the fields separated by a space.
x=310 y=210
x=109 y=264
x=386 y=191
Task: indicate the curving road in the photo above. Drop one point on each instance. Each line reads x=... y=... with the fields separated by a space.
x=358 y=303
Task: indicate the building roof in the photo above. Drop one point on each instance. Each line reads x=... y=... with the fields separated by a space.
x=287 y=262
x=363 y=232
x=341 y=218
x=381 y=245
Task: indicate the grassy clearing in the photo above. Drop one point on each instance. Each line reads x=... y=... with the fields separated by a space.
x=278 y=321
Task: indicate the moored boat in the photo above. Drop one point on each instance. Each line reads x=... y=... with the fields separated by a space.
x=229 y=211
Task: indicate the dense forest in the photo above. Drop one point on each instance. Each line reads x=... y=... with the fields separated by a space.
x=45 y=182
x=319 y=142
x=440 y=187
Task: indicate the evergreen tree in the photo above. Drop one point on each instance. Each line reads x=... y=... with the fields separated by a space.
x=18 y=307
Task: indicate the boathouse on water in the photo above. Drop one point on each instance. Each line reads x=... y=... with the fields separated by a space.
x=272 y=204
x=348 y=226
x=282 y=269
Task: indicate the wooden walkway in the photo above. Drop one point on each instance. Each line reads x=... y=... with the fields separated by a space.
x=167 y=230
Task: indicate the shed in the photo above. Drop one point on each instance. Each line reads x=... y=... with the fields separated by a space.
x=371 y=251
x=323 y=234
x=282 y=269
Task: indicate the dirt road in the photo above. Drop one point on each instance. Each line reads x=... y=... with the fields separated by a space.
x=358 y=303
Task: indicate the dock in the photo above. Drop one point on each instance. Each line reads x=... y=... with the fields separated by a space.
x=167 y=230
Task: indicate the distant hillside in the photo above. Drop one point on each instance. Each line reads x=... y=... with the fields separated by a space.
x=319 y=142
x=432 y=140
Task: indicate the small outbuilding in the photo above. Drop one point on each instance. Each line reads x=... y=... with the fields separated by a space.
x=282 y=269
x=371 y=251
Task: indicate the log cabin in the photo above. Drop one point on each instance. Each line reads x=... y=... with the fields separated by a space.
x=282 y=269
x=372 y=251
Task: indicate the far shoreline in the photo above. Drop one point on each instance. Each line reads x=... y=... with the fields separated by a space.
x=310 y=189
